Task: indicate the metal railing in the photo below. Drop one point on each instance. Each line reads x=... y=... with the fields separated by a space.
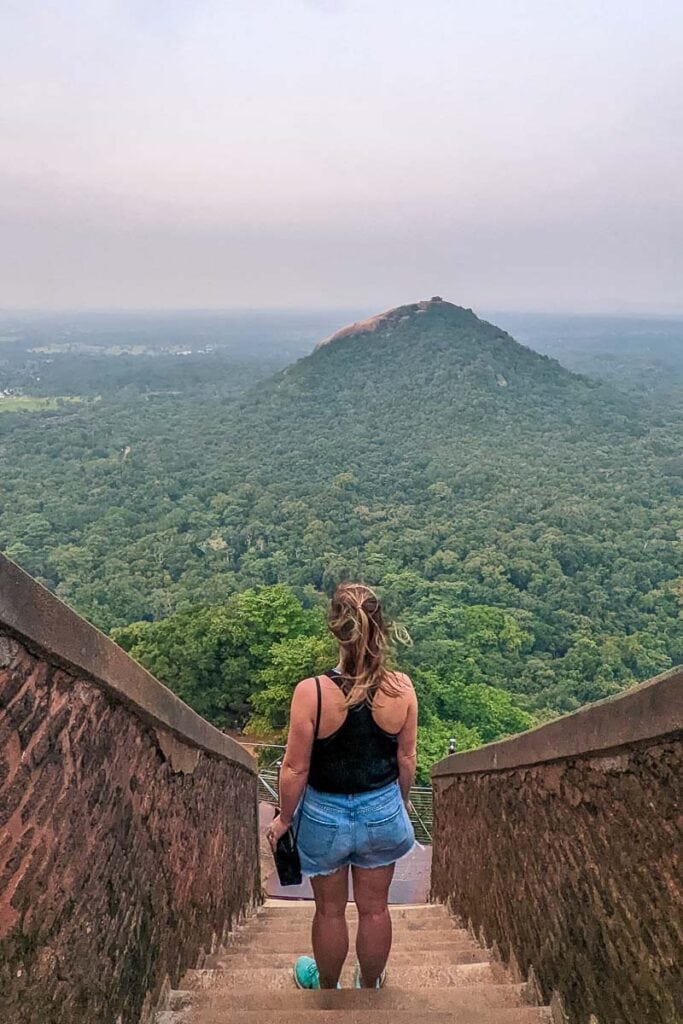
x=267 y=785
x=419 y=809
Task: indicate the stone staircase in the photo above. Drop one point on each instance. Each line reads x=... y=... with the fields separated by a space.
x=436 y=973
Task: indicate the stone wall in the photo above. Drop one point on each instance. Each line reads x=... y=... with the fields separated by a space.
x=128 y=825
x=561 y=847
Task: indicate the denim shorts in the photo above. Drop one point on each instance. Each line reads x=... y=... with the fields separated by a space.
x=367 y=830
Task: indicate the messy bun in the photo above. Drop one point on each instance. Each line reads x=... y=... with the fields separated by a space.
x=356 y=620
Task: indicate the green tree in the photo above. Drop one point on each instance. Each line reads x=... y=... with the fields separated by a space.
x=214 y=656
x=433 y=741
x=289 y=661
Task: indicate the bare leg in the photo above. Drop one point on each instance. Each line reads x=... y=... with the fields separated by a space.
x=330 y=931
x=373 y=942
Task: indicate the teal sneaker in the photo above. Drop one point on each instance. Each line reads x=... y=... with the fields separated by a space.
x=378 y=984
x=306 y=974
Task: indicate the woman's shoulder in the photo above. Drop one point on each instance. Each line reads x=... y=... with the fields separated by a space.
x=305 y=687
x=306 y=690
x=398 y=684
x=305 y=693
x=308 y=685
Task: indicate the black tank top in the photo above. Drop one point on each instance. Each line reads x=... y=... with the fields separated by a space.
x=358 y=757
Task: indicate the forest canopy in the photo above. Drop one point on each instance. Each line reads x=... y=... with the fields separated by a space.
x=523 y=522
x=237 y=665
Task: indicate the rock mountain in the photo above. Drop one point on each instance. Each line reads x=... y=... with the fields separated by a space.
x=424 y=390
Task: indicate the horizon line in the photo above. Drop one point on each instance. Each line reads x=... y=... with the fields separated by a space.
x=616 y=313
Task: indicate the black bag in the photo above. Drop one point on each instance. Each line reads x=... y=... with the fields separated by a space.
x=287 y=859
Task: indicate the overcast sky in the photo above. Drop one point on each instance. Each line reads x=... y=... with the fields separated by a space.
x=519 y=154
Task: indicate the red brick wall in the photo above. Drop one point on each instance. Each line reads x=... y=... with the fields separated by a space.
x=119 y=863
x=571 y=867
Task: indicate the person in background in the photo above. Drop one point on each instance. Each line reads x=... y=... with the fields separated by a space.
x=348 y=788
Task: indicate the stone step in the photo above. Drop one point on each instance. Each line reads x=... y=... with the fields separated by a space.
x=301 y=943
x=273 y=911
x=281 y=903
x=413 y=928
x=470 y=998
x=526 y=1015
x=262 y=926
x=296 y=945
x=180 y=999
x=300 y=939
x=232 y=959
x=278 y=979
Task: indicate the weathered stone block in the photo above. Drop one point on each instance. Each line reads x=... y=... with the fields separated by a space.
x=121 y=860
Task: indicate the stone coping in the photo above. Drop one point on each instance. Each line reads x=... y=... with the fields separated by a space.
x=35 y=615
x=644 y=712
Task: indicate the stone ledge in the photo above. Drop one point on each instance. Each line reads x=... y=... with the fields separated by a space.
x=36 y=616
x=645 y=712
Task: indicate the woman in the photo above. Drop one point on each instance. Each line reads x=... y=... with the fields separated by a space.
x=355 y=777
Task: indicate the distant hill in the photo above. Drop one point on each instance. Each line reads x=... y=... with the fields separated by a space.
x=414 y=393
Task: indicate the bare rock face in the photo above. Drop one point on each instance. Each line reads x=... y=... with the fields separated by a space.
x=391 y=317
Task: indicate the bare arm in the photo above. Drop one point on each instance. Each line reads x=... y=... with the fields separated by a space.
x=297 y=759
x=407 y=748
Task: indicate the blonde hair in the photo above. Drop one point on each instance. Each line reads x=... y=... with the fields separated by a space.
x=357 y=622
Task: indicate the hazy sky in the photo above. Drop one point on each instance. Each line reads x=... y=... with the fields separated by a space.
x=519 y=154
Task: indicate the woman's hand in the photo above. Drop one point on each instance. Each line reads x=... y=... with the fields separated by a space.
x=275 y=831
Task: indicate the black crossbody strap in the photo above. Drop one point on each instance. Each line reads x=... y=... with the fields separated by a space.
x=315 y=736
